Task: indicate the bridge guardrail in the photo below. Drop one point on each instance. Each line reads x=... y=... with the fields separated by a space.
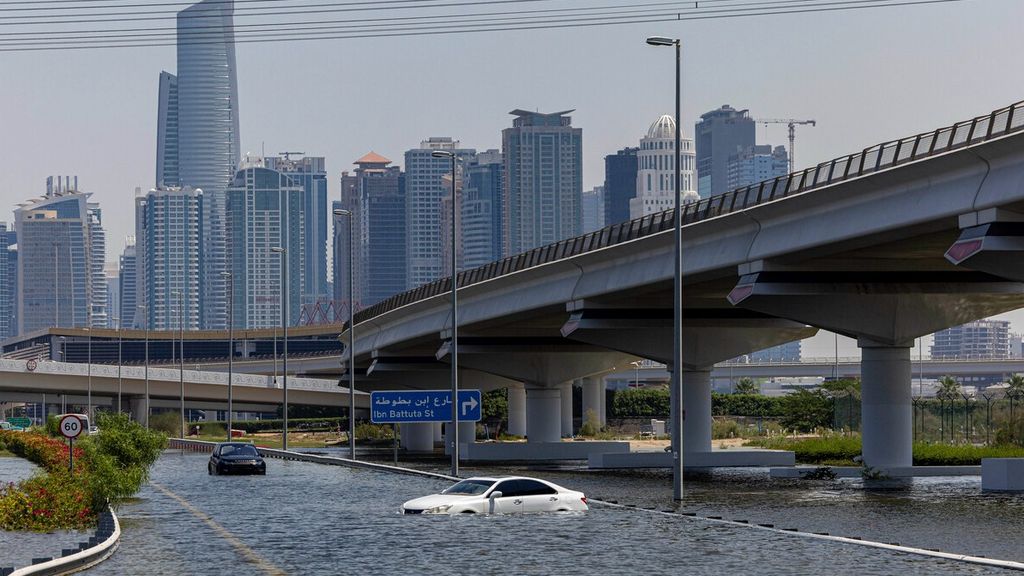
x=876 y=158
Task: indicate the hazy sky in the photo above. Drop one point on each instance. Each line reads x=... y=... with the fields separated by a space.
x=866 y=76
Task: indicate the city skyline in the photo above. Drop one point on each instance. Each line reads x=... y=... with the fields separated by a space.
x=846 y=106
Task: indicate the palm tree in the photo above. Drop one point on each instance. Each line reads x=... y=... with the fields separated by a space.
x=949 y=389
x=1014 y=390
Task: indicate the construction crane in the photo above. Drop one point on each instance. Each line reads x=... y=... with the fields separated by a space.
x=792 y=132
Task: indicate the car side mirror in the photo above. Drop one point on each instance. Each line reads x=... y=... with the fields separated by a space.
x=496 y=494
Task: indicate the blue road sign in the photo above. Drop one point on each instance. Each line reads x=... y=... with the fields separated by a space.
x=393 y=407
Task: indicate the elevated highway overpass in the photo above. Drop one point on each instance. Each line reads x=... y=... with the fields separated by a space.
x=884 y=245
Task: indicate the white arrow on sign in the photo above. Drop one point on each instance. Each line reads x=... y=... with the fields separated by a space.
x=471 y=403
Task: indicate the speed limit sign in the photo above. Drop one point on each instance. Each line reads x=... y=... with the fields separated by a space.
x=70 y=426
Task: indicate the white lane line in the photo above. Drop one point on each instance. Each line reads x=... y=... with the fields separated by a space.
x=1008 y=564
x=248 y=553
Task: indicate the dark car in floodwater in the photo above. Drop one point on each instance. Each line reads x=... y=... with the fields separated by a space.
x=236 y=458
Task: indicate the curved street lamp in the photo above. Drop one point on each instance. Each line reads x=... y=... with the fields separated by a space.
x=454 y=435
x=351 y=337
x=284 y=323
x=677 y=289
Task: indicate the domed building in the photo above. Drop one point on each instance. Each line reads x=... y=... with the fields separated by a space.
x=655 y=186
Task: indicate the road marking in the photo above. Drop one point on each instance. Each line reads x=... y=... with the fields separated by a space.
x=248 y=553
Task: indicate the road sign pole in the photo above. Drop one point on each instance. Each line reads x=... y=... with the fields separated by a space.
x=71 y=455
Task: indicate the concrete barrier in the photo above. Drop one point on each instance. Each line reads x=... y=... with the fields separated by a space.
x=1002 y=474
x=103 y=544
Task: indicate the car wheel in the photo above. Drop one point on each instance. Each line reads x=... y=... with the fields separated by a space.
x=209 y=470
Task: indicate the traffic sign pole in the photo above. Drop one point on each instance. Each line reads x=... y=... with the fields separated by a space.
x=71 y=427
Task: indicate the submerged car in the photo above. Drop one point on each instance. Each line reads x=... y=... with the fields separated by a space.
x=506 y=495
x=236 y=458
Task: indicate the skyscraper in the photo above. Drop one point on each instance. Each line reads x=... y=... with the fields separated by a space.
x=265 y=210
x=720 y=134
x=169 y=251
x=756 y=164
x=207 y=128
x=310 y=173
x=543 y=156
x=57 y=235
x=167 y=132
x=424 y=190
x=593 y=209
x=481 y=209
x=6 y=285
x=654 y=184
x=980 y=339
x=619 y=185
x=128 y=285
x=376 y=193
x=9 y=244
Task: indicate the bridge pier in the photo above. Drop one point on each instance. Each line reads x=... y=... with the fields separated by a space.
x=697 y=410
x=517 y=410
x=593 y=398
x=137 y=409
x=543 y=415
x=566 y=405
x=418 y=436
x=467 y=435
x=436 y=432
x=887 y=433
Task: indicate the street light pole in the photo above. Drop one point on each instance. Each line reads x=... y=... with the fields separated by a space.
x=181 y=358
x=677 y=287
x=145 y=318
x=117 y=321
x=231 y=342
x=284 y=327
x=351 y=336
x=454 y=434
x=88 y=412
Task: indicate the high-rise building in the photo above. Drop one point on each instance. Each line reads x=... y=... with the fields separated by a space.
x=170 y=246
x=981 y=339
x=208 y=140
x=655 y=177
x=6 y=286
x=265 y=210
x=112 y=273
x=593 y=209
x=756 y=164
x=167 y=132
x=447 y=227
x=424 y=190
x=376 y=195
x=619 y=185
x=543 y=156
x=788 y=352
x=481 y=208
x=60 y=243
x=720 y=134
x=127 y=279
x=9 y=245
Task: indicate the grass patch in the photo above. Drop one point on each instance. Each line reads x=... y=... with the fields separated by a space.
x=841 y=450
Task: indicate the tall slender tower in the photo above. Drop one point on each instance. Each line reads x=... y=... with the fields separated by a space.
x=208 y=135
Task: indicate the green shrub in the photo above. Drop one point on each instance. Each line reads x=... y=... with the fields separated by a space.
x=591 y=424
x=367 y=431
x=167 y=422
x=806 y=410
x=746 y=405
x=641 y=403
x=725 y=429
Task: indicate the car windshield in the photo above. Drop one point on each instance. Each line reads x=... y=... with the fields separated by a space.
x=238 y=450
x=470 y=487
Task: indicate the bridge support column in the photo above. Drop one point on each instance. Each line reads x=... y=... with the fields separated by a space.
x=697 y=408
x=467 y=435
x=418 y=436
x=593 y=399
x=886 y=428
x=603 y=395
x=436 y=432
x=517 y=410
x=543 y=415
x=137 y=409
x=566 y=405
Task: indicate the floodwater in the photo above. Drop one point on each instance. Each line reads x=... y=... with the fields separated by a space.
x=307 y=518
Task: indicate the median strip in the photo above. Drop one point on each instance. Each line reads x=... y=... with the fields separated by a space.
x=248 y=553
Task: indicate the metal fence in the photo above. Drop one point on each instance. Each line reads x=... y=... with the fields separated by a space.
x=874 y=159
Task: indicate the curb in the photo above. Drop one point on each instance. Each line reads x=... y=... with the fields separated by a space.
x=97 y=549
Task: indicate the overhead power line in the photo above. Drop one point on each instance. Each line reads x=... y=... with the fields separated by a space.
x=424 y=25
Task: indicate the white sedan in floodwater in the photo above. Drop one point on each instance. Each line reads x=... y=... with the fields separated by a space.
x=505 y=495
